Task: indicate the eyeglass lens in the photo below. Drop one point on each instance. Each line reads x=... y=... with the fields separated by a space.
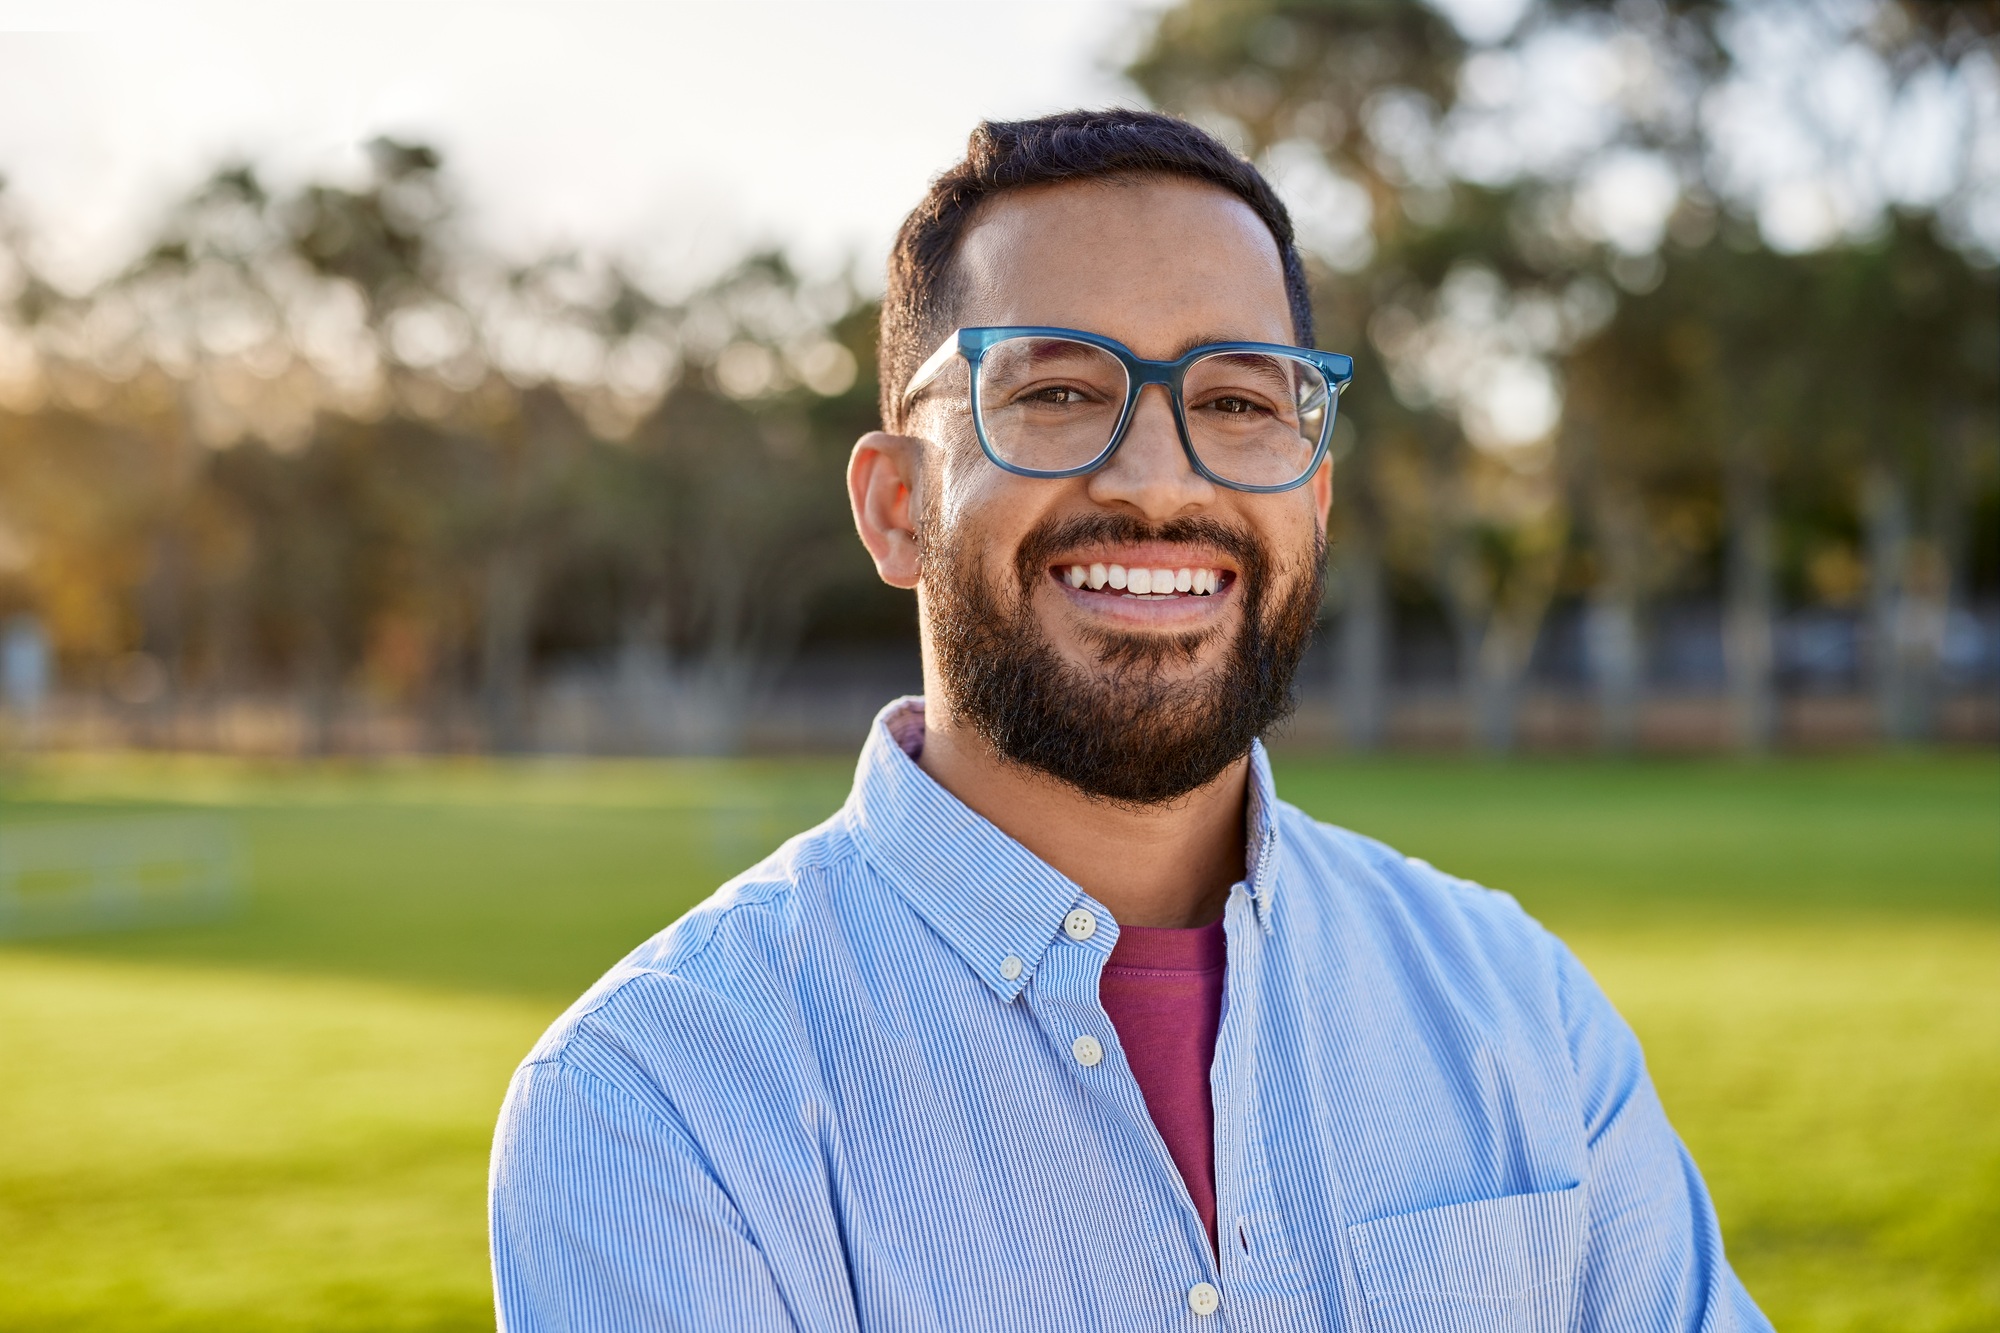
x=1051 y=404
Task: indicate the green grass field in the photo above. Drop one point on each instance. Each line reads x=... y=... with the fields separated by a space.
x=279 y=1120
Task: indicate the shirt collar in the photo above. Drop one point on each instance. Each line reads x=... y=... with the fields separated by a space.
x=1260 y=835
x=986 y=895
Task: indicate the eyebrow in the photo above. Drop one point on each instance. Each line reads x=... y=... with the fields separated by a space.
x=1205 y=339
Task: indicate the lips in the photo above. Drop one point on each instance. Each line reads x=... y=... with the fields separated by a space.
x=1176 y=575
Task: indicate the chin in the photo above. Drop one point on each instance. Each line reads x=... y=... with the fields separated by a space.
x=1162 y=658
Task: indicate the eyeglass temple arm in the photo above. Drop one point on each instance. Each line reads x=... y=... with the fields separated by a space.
x=932 y=368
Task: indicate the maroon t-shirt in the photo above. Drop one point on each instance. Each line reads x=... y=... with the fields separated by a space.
x=1163 y=990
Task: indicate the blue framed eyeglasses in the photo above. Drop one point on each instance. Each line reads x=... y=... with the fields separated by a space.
x=1049 y=402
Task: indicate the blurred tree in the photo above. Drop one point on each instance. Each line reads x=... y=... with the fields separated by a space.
x=316 y=444
x=1425 y=273
x=319 y=441
x=730 y=512
x=1482 y=209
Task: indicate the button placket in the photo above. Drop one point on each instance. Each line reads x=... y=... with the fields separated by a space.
x=1254 y=1248
x=1065 y=1000
x=1080 y=926
x=1065 y=994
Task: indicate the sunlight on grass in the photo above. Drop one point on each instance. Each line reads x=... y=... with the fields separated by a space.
x=279 y=1121
x=225 y=1151
x=1837 y=1086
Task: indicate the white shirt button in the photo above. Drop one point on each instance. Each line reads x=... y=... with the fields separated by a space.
x=1203 y=1298
x=1079 y=925
x=1086 y=1050
x=1010 y=968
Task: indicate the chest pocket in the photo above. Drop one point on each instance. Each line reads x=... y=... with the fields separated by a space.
x=1492 y=1266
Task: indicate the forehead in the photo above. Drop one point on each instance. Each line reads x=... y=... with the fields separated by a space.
x=1152 y=261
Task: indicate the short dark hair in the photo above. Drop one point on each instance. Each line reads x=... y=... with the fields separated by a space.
x=919 y=303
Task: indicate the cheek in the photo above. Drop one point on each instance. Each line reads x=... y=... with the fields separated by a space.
x=963 y=489
x=986 y=510
x=1305 y=545
x=1288 y=528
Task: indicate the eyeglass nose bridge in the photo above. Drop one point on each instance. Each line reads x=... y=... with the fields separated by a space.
x=1141 y=376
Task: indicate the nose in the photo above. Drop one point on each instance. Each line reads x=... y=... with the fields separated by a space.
x=1150 y=475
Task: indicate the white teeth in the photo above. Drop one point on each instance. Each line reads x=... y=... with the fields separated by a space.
x=1145 y=582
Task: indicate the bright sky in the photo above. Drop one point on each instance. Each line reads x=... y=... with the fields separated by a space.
x=681 y=133
x=678 y=134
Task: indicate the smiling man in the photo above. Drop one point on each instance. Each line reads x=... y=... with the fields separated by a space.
x=1066 y=1021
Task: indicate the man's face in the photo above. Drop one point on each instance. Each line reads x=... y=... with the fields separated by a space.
x=1136 y=698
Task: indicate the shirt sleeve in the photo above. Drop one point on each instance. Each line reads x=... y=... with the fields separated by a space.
x=605 y=1216
x=1655 y=1258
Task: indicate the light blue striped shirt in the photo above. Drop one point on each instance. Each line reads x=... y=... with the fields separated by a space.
x=856 y=1090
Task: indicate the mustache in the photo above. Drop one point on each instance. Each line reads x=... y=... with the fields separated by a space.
x=1049 y=539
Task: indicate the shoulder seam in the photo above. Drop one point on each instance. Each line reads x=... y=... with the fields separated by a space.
x=817 y=855
x=670 y=1122
x=561 y=1061
x=1380 y=856
x=693 y=950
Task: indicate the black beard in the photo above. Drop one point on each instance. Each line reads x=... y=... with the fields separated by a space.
x=1126 y=735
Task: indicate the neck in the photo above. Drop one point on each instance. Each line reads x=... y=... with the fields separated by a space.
x=1166 y=865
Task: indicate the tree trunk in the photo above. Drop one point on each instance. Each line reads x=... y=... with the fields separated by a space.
x=1461 y=584
x=1947 y=576
x=747 y=636
x=1495 y=634
x=508 y=606
x=1886 y=513
x=1364 y=650
x=1467 y=607
x=319 y=681
x=1911 y=580
x=1364 y=617
x=1748 y=639
x=163 y=603
x=1612 y=628
x=1507 y=647
x=1495 y=694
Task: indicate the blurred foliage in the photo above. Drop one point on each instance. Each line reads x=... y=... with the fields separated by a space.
x=1650 y=308
x=319 y=443
x=1609 y=382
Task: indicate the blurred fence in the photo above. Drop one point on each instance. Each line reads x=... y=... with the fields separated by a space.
x=1827 y=698
x=78 y=876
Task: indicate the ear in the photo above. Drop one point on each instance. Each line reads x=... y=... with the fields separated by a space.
x=1322 y=491
x=882 y=486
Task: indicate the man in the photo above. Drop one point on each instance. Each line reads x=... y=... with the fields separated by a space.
x=1065 y=1021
